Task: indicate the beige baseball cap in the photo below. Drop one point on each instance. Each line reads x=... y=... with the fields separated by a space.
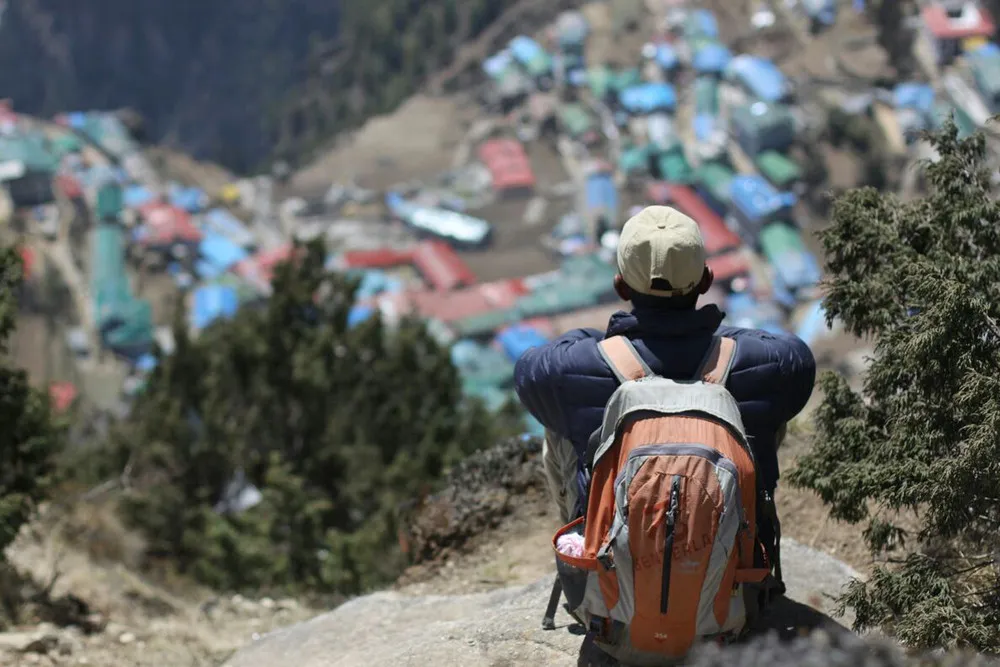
x=660 y=242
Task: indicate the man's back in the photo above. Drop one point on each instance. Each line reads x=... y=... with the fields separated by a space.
x=566 y=383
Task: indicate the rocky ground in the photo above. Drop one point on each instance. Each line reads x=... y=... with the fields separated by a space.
x=488 y=531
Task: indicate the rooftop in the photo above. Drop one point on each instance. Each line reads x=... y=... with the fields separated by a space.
x=974 y=21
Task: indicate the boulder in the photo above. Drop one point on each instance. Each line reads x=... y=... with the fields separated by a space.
x=499 y=628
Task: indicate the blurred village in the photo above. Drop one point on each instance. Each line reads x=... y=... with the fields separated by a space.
x=743 y=115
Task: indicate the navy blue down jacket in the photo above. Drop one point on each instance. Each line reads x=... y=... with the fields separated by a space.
x=565 y=384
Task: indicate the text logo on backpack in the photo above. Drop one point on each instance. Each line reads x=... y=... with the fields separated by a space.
x=671 y=553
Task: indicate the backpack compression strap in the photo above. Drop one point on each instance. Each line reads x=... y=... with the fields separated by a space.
x=623 y=359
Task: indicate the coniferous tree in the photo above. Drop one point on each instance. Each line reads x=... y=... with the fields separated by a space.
x=334 y=425
x=29 y=436
x=920 y=279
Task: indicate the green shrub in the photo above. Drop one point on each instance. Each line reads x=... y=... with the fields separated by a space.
x=335 y=425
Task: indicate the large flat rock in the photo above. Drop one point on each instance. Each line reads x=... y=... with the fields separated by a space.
x=497 y=629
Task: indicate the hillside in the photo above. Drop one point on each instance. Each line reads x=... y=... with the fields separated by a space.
x=237 y=82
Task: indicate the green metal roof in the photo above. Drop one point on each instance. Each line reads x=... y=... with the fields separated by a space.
x=554 y=299
x=761 y=115
x=633 y=159
x=986 y=71
x=580 y=266
x=31 y=149
x=136 y=327
x=706 y=95
x=576 y=119
x=778 y=239
x=478 y=325
x=110 y=202
x=675 y=168
x=778 y=169
x=622 y=79
x=715 y=177
x=539 y=65
x=599 y=80
x=66 y=143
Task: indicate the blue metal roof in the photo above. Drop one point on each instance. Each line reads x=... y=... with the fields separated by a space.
x=711 y=58
x=813 y=324
x=76 y=119
x=910 y=95
x=760 y=76
x=705 y=23
x=210 y=302
x=222 y=222
x=136 y=195
x=666 y=56
x=524 y=49
x=359 y=314
x=649 y=97
x=190 y=199
x=704 y=125
x=518 y=339
x=756 y=198
x=220 y=252
x=600 y=193
x=497 y=64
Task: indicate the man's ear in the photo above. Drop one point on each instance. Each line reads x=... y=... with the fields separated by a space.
x=707 y=278
x=623 y=291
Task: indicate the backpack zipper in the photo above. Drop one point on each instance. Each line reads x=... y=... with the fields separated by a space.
x=668 y=545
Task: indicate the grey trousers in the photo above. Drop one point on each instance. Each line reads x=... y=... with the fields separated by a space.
x=560 y=462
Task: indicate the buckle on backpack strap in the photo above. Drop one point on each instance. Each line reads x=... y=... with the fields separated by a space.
x=598 y=627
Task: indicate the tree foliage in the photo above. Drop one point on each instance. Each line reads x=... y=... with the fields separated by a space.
x=29 y=438
x=921 y=279
x=335 y=425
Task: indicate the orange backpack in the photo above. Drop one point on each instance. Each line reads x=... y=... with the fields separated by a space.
x=671 y=553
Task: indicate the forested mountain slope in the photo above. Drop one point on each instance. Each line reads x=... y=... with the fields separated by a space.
x=235 y=81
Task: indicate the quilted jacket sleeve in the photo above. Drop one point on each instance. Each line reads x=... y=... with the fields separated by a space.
x=541 y=373
x=776 y=373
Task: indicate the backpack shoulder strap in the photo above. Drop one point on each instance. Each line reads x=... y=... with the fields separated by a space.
x=718 y=361
x=619 y=353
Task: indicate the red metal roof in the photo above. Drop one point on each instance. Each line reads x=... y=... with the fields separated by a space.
x=729 y=265
x=469 y=301
x=508 y=164
x=718 y=238
x=167 y=224
x=658 y=192
x=62 y=395
x=450 y=306
x=69 y=186
x=441 y=266
x=376 y=259
x=27 y=261
x=260 y=267
x=503 y=293
x=975 y=22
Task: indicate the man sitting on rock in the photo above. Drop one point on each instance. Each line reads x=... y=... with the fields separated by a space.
x=566 y=383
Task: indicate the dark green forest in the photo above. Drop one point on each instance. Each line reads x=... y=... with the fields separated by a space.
x=234 y=81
